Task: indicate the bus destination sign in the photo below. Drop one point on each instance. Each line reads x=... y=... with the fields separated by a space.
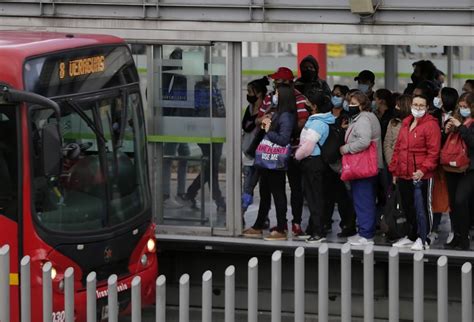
x=82 y=66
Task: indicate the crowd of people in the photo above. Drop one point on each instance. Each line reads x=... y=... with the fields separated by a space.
x=356 y=148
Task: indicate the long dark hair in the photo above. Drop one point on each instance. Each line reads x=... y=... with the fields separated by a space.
x=286 y=99
x=450 y=97
x=259 y=85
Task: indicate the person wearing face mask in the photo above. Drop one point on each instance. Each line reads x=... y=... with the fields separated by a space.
x=365 y=83
x=363 y=130
x=423 y=70
x=256 y=91
x=284 y=76
x=461 y=185
x=313 y=137
x=402 y=110
x=309 y=79
x=415 y=159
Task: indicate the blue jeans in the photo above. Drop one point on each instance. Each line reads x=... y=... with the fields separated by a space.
x=363 y=194
x=250 y=179
x=182 y=149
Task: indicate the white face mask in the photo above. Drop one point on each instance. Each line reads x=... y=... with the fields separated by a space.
x=417 y=114
x=437 y=102
x=275 y=99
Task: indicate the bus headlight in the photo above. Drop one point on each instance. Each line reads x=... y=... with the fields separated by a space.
x=150 y=245
x=144 y=260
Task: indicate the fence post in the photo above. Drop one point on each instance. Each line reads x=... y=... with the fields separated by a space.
x=230 y=294
x=160 y=299
x=5 y=283
x=443 y=288
x=418 y=284
x=47 y=293
x=207 y=296
x=369 y=283
x=112 y=298
x=25 y=289
x=91 y=297
x=184 y=298
x=136 y=299
x=299 y=284
x=252 y=301
x=276 y=286
x=69 y=294
x=393 y=285
x=323 y=284
x=346 y=280
x=466 y=286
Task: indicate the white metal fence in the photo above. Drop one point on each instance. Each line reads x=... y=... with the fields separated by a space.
x=276 y=289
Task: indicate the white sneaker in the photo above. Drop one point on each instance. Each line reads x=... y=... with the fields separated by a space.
x=433 y=236
x=450 y=238
x=171 y=203
x=361 y=241
x=403 y=242
x=418 y=245
x=354 y=237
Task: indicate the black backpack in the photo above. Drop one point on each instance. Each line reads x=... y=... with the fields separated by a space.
x=330 y=149
x=394 y=222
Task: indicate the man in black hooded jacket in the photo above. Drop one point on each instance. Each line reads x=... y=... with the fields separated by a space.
x=309 y=79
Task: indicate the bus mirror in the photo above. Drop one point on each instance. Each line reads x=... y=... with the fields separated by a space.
x=51 y=150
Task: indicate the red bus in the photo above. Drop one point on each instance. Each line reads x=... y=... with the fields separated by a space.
x=74 y=187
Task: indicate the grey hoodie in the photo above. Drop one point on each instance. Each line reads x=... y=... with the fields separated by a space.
x=364 y=129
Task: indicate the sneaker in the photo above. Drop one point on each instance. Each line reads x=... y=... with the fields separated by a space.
x=171 y=203
x=353 y=237
x=252 y=233
x=347 y=232
x=247 y=200
x=433 y=236
x=459 y=243
x=298 y=233
x=362 y=241
x=417 y=245
x=275 y=228
x=315 y=239
x=450 y=238
x=403 y=242
x=276 y=235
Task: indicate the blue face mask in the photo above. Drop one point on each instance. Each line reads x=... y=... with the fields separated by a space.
x=437 y=102
x=336 y=101
x=465 y=112
x=364 y=88
x=345 y=106
x=275 y=100
x=373 y=105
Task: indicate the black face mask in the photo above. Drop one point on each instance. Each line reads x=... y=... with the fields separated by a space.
x=353 y=111
x=308 y=75
x=415 y=79
x=252 y=99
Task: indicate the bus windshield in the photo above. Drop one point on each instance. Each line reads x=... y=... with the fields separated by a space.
x=103 y=177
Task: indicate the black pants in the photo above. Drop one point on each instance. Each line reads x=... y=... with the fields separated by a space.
x=460 y=190
x=206 y=173
x=272 y=183
x=407 y=194
x=313 y=171
x=296 y=188
x=335 y=191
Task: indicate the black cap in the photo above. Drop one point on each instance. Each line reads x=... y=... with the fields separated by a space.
x=365 y=75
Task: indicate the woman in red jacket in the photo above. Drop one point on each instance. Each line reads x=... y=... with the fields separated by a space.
x=414 y=161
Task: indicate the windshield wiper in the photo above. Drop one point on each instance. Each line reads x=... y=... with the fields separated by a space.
x=87 y=119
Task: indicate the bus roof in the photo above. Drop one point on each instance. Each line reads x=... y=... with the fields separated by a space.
x=16 y=46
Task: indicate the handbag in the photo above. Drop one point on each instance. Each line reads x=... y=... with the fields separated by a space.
x=440 y=198
x=272 y=156
x=454 y=155
x=394 y=222
x=360 y=165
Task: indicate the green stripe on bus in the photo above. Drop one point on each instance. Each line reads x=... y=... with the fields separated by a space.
x=184 y=139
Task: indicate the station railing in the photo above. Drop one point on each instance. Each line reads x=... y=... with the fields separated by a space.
x=252 y=300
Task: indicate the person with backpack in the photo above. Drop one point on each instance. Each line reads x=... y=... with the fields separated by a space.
x=414 y=161
x=312 y=140
x=336 y=190
x=278 y=127
x=461 y=179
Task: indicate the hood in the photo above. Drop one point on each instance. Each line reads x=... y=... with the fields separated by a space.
x=327 y=118
x=425 y=119
x=313 y=61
